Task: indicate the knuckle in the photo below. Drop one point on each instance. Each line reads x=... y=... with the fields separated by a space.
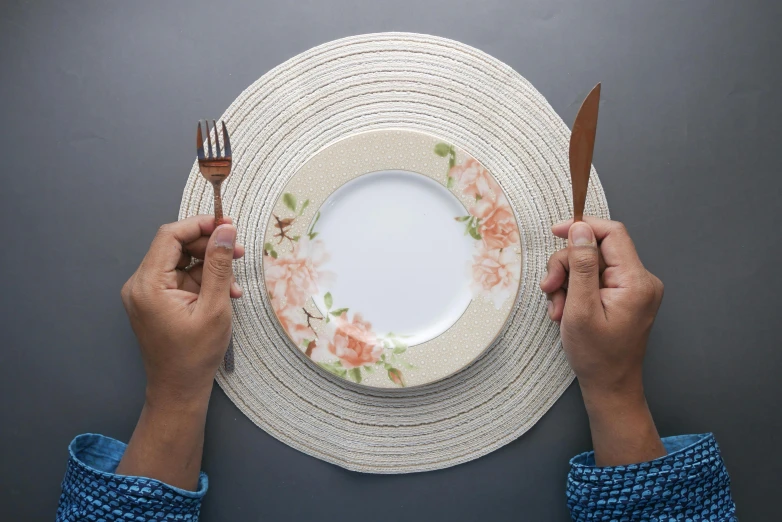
x=125 y=291
x=135 y=295
x=165 y=230
x=584 y=264
x=221 y=265
x=658 y=286
x=620 y=228
x=647 y=289
x=554 y=259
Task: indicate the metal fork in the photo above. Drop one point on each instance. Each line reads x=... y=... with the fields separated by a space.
x=215 y=168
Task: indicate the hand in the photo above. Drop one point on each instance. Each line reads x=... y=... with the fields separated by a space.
x=181 y=315
x=605 y=317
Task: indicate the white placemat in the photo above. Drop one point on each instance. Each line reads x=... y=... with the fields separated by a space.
x=396 y=81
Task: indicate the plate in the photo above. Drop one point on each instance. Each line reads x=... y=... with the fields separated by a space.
x=392 y=258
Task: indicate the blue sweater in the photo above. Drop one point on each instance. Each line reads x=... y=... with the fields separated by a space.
x=689 y=484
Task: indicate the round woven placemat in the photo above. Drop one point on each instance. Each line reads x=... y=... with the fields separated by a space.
x=396 y=81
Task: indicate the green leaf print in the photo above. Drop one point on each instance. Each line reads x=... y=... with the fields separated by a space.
x=304 y=207
x=339 y=311
x=334 y=368
x=442 y=149
x=269 y=249
x=355 y=373
x=462 y=218
x=328 y=300
x=289 y=200
x=473 y=230
x=396 y=377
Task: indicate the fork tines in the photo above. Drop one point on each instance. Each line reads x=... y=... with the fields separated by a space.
x=226 y=153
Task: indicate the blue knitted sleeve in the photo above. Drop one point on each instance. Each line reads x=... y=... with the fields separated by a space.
x=92 y=491
x=690 y=483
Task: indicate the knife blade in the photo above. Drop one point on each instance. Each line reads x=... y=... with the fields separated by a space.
x=582 y=145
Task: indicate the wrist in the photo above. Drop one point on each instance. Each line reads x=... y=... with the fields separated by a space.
x=613 y=389
x=608 y=399
x=173 y=400
x=623 y=430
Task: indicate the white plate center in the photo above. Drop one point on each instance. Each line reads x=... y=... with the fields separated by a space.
x=400 y=258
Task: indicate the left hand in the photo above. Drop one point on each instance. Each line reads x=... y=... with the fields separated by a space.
x=181 y=314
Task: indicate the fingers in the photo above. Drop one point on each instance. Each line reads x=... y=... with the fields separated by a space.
x=557 y=271
x=616 y=246
x=186 y=281
x=556 y=275
x=217 y=272
x=166 y=248
x=197 y=248
x=192 y=281
x=185 y=259
x=583 y=294
x=556 y=305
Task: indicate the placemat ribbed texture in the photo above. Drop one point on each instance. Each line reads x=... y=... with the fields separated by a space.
x=390 y=81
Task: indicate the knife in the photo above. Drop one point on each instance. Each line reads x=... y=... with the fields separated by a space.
x=582 y=144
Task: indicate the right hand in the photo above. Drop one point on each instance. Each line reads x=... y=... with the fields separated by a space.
x=605 y=315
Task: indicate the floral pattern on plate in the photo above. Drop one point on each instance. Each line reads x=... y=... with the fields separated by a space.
x=343 y=341
x=340 y=344
x=490 y=221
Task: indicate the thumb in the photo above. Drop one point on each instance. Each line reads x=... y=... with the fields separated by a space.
x=583 y=260
x=217 y=273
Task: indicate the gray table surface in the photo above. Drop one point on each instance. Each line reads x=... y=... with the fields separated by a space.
x=98 y=103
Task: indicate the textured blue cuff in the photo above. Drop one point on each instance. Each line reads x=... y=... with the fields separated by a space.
x=690 y=483
x=92 y=491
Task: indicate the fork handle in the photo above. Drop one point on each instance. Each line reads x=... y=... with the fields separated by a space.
x=228 y=359
x=218 y=204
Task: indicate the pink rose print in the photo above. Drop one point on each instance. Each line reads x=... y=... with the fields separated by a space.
x=292 y=278
x=354 y=343
x=495 y=274
x=342 y=347
x=496 y=268
x=474 y=180
x=294 y=322
x=497 y=223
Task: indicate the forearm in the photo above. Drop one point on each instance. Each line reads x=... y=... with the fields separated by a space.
x=623 y=431
x=168 y=441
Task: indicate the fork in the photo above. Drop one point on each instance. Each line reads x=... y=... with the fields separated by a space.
x=215 y=168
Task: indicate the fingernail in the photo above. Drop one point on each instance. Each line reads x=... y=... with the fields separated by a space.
x=581 y=234
x=543 y=281
x=550 y=309
x=225 y=236
x=236 y=288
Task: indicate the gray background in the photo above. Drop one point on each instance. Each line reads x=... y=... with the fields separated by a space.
x=98 y=103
